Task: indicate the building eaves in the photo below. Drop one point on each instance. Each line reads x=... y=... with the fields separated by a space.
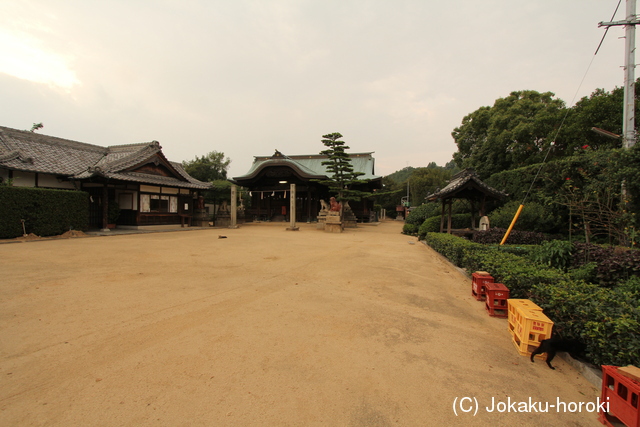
x=462 y=179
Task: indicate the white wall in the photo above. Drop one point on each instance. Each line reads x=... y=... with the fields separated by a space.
x=50 y=181
x=24 y=179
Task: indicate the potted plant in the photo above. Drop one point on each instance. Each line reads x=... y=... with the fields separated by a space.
x=113 y=214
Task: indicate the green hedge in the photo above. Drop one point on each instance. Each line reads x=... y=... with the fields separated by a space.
x=432 y=224
x=607 y=320
x=46 y=212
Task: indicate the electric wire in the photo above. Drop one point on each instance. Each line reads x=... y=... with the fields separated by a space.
x=567 y=112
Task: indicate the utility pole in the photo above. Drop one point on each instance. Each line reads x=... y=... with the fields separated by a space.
x=628 y=124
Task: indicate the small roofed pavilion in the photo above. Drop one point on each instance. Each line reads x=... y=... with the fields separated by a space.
x=465 y=185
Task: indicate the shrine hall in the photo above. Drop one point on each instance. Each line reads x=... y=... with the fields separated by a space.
x=269 y=180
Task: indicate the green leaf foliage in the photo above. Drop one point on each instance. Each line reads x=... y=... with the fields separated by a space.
x=533 y=217
x=495 y=235
x=46 y=212
x=607 y=320
x=343 y=179
x=208 y=168
x=555 y=254
x=422 y=212
x=514 y=132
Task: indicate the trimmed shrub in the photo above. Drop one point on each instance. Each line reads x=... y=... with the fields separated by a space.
x=606 y=320
x=432 y=224
x=422 y=212
x=516 y=237
x=46 y=212
x=515 y=272
x=410 y=229
x=456 y=249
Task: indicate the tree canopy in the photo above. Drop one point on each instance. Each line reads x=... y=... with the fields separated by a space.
x=338 y=164
x=515 y=132
x=518 y=130
x=208 y=168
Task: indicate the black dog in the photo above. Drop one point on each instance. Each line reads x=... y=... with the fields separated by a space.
x=555 y=344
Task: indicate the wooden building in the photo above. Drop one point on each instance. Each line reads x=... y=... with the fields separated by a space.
x=465 y=185
x=269 y=179
x=148 y=188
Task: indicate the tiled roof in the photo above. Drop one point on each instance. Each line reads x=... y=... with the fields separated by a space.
x=465 y=180
x=34 y=152
x=310 y=165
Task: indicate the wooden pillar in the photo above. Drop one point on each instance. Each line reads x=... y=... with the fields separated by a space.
x=308 y=204
x=442 y=217
x=105 y=207
x=473 y=214
x=449 y=220
x=258 y=202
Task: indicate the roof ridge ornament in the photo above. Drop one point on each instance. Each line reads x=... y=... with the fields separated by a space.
x=278 y=155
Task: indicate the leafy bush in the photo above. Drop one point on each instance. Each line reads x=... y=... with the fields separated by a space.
x=614 y=265
x=606 y=320
x=410 y=229
x=422 y=212
x=495 y=235
x=533 y=217
x=585 y=273
x=554 y=253
x=631 y=286
x=46 y=212
x=452 y=247
x=515 y=272
x=432 y=225
x=520 y=250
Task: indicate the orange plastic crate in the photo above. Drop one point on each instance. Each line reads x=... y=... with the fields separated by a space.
x=515 y=304
x=530 y=328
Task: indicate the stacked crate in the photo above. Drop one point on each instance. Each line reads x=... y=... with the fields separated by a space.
x=620 y=390
x=479 y=280
x=497 y=297
x=528 y=325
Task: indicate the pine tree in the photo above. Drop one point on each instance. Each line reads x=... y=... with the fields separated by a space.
x=342 y=176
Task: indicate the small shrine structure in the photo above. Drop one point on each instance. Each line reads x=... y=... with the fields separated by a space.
x=465 y=185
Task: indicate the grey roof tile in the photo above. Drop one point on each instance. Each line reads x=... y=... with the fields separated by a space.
x=34 y=152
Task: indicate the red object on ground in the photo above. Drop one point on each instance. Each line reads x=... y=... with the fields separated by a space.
x=497 y=296
x=478 y=281
x=621 y=394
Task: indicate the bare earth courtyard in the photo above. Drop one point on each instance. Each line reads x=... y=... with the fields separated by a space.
x=264 y=328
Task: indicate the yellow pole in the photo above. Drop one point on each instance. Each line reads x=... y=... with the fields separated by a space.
x=513 y=222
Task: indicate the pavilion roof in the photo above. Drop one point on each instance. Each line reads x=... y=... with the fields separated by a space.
x=466 y=185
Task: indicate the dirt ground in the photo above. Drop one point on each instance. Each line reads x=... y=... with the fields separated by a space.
x=266 y=327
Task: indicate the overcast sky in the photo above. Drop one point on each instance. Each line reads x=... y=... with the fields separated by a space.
x=248 y=77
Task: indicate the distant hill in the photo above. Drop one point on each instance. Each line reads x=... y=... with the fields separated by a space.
x=403 y=174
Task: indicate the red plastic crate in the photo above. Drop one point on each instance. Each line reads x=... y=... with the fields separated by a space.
x=621 y=393
x=479 y=279
x=496 y=302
